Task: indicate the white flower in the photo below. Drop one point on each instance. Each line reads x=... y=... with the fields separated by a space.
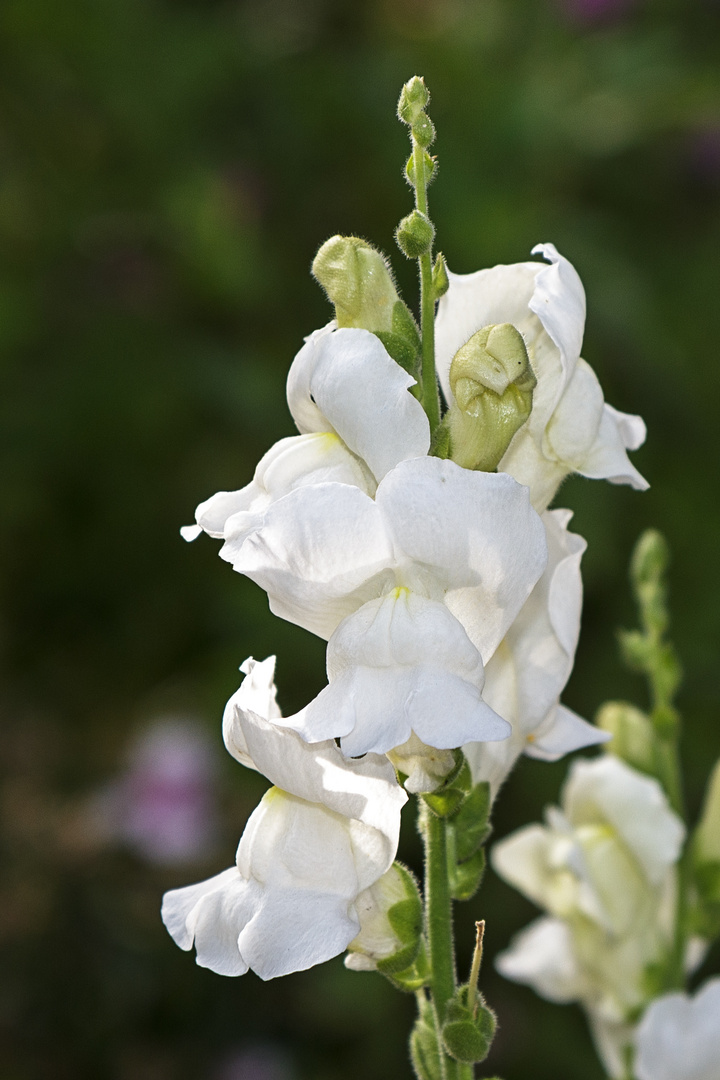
x=321 y=836
x=413 y=588
x=570 y=428
x=603 y=867
x=679 y=1037
x=529 y=670
x=357 y=419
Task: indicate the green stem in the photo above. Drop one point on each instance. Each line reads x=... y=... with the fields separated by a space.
x=438 y=916
x=431 y=402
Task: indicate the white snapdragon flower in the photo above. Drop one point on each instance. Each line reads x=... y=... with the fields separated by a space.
x=603 y=869
x=570 y=428
x=413 y=589
x=678 y=1038
x=357 y=419
x=529 y=670
x=325 y=833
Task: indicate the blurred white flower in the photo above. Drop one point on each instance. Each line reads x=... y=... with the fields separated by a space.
x=570 y=428
x=604 y=870
x=323 y=834
x=678 y=1038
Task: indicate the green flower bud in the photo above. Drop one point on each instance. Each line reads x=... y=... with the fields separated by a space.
x=493 y=384
x=633 y=737
x=415 y=235
x=468 y=1030
x=707 y=834
x=440 y=280
x=358 y=281
x=414 y=96
x=429 y=167
x=423 y=130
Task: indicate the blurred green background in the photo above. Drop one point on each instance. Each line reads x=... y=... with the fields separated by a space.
x=167 y=171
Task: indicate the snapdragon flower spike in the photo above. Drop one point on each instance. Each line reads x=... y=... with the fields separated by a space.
x=570 y=428
x=357 y=418
x=326 y=832
x=529 y=670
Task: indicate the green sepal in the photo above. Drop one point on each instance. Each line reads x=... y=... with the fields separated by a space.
x=402 y=341
x=447 y=800
x=466 y=877
x=425 y=1053
x=441 y=442
x=406 y=921
x=467 y=1037
x=470 y=825
x=423 y=130
x=429 y=168
x=440 y=279
x=413 y=977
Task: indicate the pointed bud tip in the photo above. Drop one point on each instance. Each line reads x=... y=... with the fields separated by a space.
x=414 y=96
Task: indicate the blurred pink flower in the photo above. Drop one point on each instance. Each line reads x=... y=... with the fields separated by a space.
x=163 y=805
x=262 y=1061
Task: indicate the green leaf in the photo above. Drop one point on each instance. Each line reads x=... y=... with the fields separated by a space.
x=465 y=877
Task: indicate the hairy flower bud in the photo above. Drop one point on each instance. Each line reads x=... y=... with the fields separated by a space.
x=415 y=235
x=633 y=738
x=440 y=280
x=492 y=382
x=414 y=96
x=358 y=281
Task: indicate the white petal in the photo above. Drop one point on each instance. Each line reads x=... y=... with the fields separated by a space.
x=559 y=303
x=540 y=645
x=607 y=458
x=523 y=860
x=364 y=789
x=607 y=790
x=291 y=463
x=211 y=914
x=563 y=732
x=322 y=551
x=542 y=956
x=400 y=664
x=357 y=390
x=190 y=532
x=470 y=537
x=679 y=1037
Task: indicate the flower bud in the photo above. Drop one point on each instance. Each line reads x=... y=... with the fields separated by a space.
x=707 y=835
x=493 y=383
x=424 y=1050
x=633 y=738
x=415 y=235
x=429 y=168
x=469 y=1029
x=358 y=281
x=423 y=130
x=414 y=96
x=391 y=918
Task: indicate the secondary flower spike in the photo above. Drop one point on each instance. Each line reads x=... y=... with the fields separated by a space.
x=570 y=428
x=326 y=832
